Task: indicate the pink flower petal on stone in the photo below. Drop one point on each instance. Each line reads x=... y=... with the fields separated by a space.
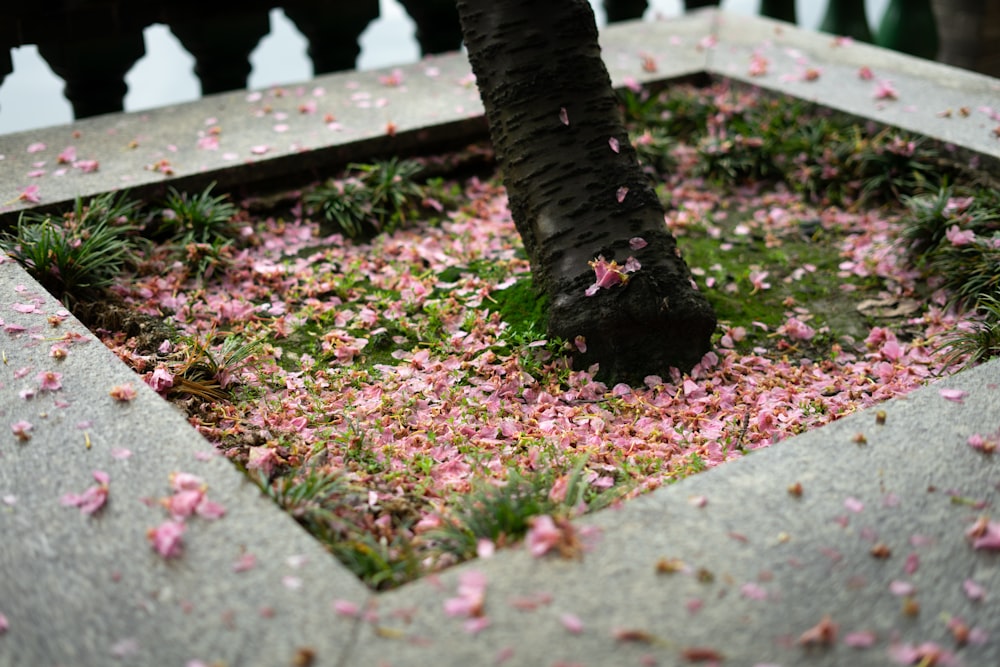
x=973 y=591
x=183 y=503
x=621 y=193
x=346 y=608
x=543 y=535
x=637 y=243
x=93 y=498
x=862 y=639
x=185 y=481
x=954 y=395
x=854 y=505
x=697 y=501
x=485 y=548
x=615 y=146
x=902 y=588
x=22 y=430
x=209 y=509
x=563 y=116
x=245 y=562
x=989 y=539
x=476 y=625
x=572 y=623
x=753 y=591
x=30 y=194
x=123 y=393
x=166 y=538
x=49 y=381
x=884 y=90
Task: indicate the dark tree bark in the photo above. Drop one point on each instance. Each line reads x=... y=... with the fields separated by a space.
x=566 y=161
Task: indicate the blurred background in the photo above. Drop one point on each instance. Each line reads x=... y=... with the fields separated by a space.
x=147 y=64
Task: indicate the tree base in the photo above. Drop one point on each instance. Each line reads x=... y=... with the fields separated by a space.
x=636 y=330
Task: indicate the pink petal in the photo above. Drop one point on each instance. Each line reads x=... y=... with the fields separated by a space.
x=637 y=243
x=563 y=116
x=621 y=193
x=572 y=623
x=542 y=536
x=476 y=625
x=166 y=538
x=973 y=590
x=863 y=639
x=346 y=608
x=902 y=588
x=183 y=503
x=698 y=501
x=185 y=481
x=210 y=510
x=614 y=144
x=752 y=591
x=854 y=505
x=245 y=562
x=956 y=395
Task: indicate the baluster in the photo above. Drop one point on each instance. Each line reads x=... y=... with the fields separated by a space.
x=909 y=27
x=332 y=30
x=94 y=69
x=970 y=34
x=221 y=44
x=624 y=10
x=438 y=29
x=6 y=64
x=783 y=10
x=848 y=19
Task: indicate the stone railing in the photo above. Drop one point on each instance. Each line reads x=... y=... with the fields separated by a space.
x=92 y=44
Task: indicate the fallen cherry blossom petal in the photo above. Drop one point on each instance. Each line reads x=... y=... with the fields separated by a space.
x=861 y=639
x=166 y=539
x=245 y=562
x=572 y=623
x=902 y=588
x=955 y=395
x=93 y=499
x=542 y=536
x=823 y=633
x=973 y=591
x=476 y=625
x=346 y=608
x=854 y=505
x=22 y=430
x=123 y=393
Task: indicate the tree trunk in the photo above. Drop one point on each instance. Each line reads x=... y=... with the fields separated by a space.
x=577 y=192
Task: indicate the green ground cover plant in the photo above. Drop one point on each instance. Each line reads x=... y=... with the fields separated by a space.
x=375 y=358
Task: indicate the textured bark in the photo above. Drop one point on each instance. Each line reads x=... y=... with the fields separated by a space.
x=552 y=114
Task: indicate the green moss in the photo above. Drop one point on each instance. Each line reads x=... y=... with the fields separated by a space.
x=738 y=304
x=523 y=307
